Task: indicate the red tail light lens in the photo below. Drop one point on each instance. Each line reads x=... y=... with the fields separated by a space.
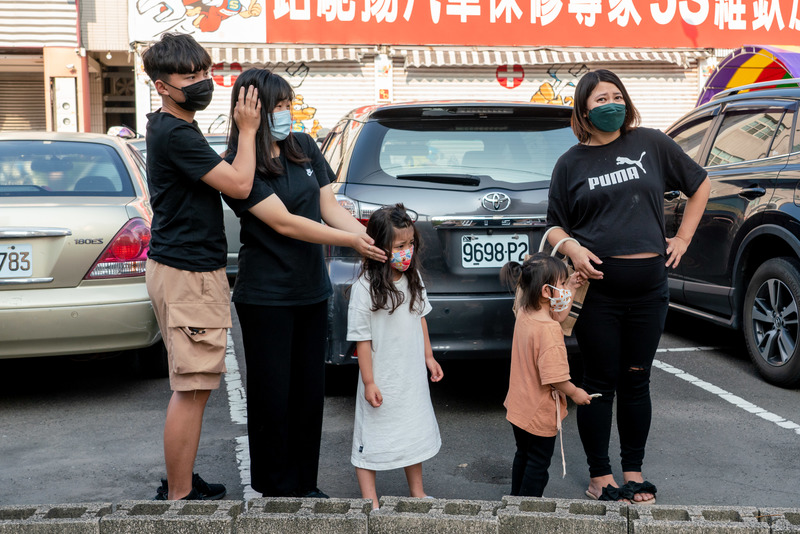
x=360 y=210
x=126 y=255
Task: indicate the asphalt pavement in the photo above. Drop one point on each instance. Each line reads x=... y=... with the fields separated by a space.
x=77 y=431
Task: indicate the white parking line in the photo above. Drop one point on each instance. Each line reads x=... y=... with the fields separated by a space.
x=237 y=400
x=721 y=393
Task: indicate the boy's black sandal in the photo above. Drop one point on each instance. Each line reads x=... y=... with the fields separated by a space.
x=204 y=490
x=193 y=496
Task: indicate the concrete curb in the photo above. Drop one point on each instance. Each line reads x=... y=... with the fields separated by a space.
x=145 y=517
x=658 y=519
x=433 y=516
x=512 y=515
x=781 y=519
x=313 y=516
x=52 y=519
x=529 y=515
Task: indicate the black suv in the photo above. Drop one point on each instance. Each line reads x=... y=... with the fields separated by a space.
x=476 y=175
x=742 y=269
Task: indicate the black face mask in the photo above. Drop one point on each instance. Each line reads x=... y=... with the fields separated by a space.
x=198 y=95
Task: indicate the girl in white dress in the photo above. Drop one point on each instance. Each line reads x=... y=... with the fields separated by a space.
x=395 y=425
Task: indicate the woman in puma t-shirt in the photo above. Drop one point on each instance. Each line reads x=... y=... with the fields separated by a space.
x=608 y=193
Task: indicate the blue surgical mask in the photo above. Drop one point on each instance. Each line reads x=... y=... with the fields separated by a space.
x=281 y=124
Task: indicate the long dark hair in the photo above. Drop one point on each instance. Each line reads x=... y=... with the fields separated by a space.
x=381 y=227
x=535 y=272
x=272 y=89
x=581 y=125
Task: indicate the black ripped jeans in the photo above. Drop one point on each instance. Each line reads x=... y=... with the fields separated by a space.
x=618 y=332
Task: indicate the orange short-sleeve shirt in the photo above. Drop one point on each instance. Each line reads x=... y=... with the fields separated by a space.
x=538 y=359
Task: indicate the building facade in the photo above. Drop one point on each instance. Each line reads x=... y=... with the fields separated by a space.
x=76 y=64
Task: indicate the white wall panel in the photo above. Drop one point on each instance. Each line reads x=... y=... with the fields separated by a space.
x=104 y=24
x=38 y=23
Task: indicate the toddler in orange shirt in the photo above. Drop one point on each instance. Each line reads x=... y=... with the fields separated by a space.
x=539 y=379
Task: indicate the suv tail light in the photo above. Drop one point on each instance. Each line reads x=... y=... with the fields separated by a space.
x=360 y=210
x=126 y=255
x=364 y=210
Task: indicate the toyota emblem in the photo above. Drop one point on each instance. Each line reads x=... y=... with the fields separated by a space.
x=496 y=201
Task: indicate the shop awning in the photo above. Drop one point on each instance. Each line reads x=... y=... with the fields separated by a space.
x=444 y=56
x=266 y=55
x=449 y=56
x=752 y=64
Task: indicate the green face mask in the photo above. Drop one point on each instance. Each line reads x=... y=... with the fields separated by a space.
x=608 y=117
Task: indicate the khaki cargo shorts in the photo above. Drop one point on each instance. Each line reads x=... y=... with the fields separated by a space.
x=193 y=312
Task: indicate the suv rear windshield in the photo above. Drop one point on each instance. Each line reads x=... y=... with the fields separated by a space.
x=512 y=154
x=61 y=168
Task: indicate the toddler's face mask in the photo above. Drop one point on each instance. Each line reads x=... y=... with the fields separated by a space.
x=401 y=259
x=562 y=299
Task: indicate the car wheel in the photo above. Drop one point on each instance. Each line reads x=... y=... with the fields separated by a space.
x=152 y=361
x=771 y=325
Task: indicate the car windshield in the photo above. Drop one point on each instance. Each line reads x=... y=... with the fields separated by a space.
x=511 y=154
x=62 y=168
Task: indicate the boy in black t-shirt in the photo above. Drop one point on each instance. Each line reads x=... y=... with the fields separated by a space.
x=186 y=263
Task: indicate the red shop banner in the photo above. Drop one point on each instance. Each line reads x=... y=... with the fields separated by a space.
x=586 y=23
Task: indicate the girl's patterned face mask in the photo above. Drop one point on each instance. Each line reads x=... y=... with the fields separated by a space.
x=562 y=299
x=401 y=259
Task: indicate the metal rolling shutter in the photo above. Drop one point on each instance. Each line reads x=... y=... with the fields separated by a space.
x=332 y=88
x=22 y=101
x=662 y=92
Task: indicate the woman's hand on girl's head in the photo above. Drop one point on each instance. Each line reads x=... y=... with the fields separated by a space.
x=365 y=245
x=247 y=112
x=373 y=395
x=435 y=369
x=582 y=260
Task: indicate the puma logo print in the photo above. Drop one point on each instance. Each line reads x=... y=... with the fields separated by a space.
x=620 y=176
x=622 y=160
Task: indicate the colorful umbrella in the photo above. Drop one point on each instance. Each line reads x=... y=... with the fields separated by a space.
x=752 y=64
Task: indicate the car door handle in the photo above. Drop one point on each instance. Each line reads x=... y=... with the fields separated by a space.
x=671 y=195
x=752 y=193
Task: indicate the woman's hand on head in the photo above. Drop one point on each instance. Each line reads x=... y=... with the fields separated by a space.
x=582 y=261
x=247 y=112
x=676 y=248
x=373 y=395
x=365 y=245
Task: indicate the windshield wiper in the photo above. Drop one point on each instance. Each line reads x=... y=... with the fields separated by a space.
x=457 y=179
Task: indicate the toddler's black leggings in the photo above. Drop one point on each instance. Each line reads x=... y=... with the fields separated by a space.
x=618 y=332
